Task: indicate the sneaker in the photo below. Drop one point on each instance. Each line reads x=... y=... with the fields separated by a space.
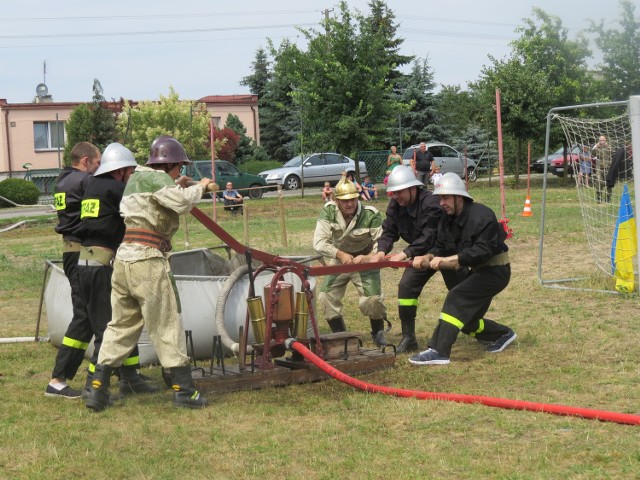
x=66 y=392
x=503 y=342
x=429 y=357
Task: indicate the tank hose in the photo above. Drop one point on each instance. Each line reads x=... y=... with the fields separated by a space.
x=604 y=416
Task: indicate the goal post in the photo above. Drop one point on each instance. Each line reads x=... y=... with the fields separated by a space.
x=599 y=156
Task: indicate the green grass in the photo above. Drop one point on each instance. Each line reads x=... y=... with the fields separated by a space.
x=575 y=348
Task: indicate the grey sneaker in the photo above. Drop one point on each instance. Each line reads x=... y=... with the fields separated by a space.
x=429 y=357
x=503 y=342
x=67 y=392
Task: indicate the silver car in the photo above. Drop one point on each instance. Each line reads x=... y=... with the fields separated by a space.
x=447 y=158
x=316 y=169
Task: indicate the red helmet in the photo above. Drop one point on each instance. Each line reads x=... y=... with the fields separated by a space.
x=166 y=149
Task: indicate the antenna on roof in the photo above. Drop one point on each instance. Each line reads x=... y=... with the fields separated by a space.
x=44 y=68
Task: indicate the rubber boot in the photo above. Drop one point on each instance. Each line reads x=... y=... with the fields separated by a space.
x=377 y=332
x=86 y=390
x=408 y=343
x=99 y=397
x=185 y=394
x=337 y=325
x=131 y=382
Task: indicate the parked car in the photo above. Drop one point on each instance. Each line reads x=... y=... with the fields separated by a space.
x=316 y=169
x=538 y=165
x=245 y=183
x=447 y=158
x=557 y=164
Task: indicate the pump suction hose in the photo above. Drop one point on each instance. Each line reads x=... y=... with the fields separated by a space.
x=601 y=415
x=227 y=341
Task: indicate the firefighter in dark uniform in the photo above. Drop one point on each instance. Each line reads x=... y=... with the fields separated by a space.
x=413 y=214
x=470 y=240
x=70 y=185
x=102 y=231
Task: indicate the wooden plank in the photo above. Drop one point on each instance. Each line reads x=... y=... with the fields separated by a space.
x=366 y=361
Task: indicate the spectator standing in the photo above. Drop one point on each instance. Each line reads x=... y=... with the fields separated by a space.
x=394 y=159
x=585 y=165
x=421 y=163
x=69 y=190
x=143 y=289
x=436 y=175
x=471 y=241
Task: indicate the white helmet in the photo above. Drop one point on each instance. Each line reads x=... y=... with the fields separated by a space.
x=115 y=156
x=451 y=184
x=402 y=177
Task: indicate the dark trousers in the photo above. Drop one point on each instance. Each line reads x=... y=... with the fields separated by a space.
x=95 y=288
x=465 y=306
x=78 y=335
x=410 y=288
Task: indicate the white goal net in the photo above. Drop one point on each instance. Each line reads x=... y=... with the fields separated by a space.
x=599 y=158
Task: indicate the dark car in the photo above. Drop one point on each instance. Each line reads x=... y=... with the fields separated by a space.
x=538 y=165
x=245 y=183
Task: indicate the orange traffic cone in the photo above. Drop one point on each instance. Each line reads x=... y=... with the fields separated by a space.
x=527 y=208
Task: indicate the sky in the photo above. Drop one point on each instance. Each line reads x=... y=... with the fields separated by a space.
x=139 y=49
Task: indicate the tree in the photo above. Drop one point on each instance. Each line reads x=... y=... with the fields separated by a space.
x=186 y=121
x=545 y=70
x=104 y=120
x=258 y=80
x=95 y=123
x=228 y=141
x=422 y=122
x=244 y=148
x=460 y=110
x=620 y=66
x=79 y=128
x=346 y=80
x=279 y=117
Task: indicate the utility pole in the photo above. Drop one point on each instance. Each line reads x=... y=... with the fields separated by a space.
x=326 y=12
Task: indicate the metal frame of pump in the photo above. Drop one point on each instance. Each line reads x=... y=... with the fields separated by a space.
x=271 y=323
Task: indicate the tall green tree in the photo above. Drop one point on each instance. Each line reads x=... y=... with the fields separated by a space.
x=345 y=81
x=460 y=110
x=546 y=69
x=258 y=80
x=422 y=122
x=620 y=68
x=79 y=128
x=187 y=121
x=104 y=119
x=279 y=117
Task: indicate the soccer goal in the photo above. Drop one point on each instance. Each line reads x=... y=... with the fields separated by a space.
x=600 y=160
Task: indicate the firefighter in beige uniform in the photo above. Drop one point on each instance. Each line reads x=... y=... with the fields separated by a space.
x=143 y=291
x=345 y=230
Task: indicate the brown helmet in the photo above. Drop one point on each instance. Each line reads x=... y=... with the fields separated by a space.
x=166 y=149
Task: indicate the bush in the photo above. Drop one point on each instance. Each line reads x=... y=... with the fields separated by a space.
x=255 y=167
x=22 y=192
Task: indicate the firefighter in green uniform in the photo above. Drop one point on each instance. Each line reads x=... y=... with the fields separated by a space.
x=347 y=231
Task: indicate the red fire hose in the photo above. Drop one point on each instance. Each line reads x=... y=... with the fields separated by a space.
x=587 y=413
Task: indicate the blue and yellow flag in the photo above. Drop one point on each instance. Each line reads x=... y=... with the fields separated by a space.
x=624 y=246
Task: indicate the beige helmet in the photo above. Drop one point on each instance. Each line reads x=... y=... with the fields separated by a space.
x=402 y=177
x=451 y=184
x=345 y=189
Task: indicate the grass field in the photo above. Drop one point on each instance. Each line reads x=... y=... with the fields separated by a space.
x=574 y=348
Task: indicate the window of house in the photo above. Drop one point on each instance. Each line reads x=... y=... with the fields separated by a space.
x=48 y=135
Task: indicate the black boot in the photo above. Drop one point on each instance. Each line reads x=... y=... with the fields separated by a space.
x=408 y=343
x=337 y=325
x=99 y=397
x=185 y=394
x=377 y=332
x=87 y=385
x=132 y=382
